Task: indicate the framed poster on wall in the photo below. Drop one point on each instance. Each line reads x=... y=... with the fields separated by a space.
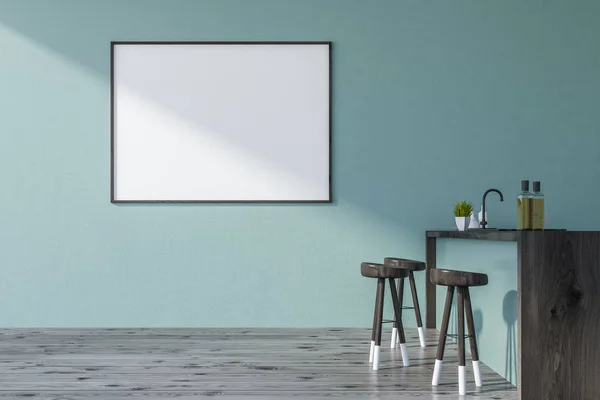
x=221 y=122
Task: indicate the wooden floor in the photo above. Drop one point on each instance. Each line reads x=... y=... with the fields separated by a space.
x=71 y=364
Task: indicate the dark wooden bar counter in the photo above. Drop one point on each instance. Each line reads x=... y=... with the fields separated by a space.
x=558 y=309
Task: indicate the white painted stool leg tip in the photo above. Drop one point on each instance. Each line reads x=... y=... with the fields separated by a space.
x=371 y=352
x=404 y=352
x=437 y=372
x=477 y=373
x=376 y=359
x=462 y=381
x=394 y=336
x=422 y=337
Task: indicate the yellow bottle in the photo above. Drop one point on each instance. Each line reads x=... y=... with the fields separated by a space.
x=524 y=207
x=537 y=208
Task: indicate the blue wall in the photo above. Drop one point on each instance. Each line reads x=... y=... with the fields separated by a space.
x=434 y=101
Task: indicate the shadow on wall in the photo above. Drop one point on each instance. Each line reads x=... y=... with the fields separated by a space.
x=478 y=321
x=509 y=313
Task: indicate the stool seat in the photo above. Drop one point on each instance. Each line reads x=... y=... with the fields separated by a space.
x=446 y=277
x=412 y=265
x=373 y=270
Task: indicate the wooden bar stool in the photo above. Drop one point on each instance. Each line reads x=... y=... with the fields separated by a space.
x=411 y=266
x=461 y=280
x=383 y=272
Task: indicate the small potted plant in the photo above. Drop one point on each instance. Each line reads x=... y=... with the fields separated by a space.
x=462 y=214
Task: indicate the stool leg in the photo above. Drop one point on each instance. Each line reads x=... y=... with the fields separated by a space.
x=437 y=371
x=472 y=338
x=374 y=331
x=398 y=319
x=462 y=386
x=413 y=289
x=379 y=316
x=395 y=338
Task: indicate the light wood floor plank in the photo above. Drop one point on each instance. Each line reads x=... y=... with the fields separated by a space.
x=73 y=364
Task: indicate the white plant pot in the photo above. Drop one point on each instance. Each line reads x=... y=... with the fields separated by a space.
x=462 y=223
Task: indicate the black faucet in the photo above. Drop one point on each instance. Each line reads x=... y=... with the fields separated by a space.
x=483 y=222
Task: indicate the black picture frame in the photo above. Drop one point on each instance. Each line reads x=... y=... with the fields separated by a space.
x=113 y=44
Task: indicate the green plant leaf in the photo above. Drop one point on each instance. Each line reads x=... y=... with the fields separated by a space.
x=463 y=209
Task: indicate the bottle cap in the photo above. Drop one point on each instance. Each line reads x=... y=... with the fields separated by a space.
x=525 y=186
x=536 y=186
